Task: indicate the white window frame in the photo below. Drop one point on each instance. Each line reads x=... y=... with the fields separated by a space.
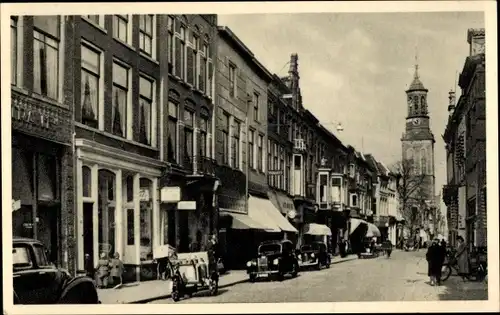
x=100 y=21
x=196 y=59
x=263 y=159
x=60 y=56
x=153 y=38
x=19 y=52
x=154 y=102
x=171 y=50
x=130 y=111
x=100 y=108
x=128 y=42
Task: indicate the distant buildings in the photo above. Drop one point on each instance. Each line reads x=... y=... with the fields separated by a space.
x=465 y=138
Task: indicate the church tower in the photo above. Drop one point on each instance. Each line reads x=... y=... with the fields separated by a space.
x=418 y=140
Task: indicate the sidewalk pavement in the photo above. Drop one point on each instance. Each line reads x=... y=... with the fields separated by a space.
x=147 y=291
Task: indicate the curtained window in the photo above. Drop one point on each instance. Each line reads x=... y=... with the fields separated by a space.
x=170 y=44
x=90 y=78
x=203 y=137
x=188 y=139
x=145 y=107
x=106 y=211
x=235 y=154
x=46 y=35
x=120 y=100
x=172 y=132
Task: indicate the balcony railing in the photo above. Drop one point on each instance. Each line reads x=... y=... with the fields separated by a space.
x=205 y=165
x=299 y=144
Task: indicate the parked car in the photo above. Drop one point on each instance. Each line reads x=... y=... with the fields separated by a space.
x=274 y=259
x=36 y=281
x=314 y=255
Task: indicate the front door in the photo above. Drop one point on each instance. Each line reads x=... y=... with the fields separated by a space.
x=48 y=229
x=88 y=236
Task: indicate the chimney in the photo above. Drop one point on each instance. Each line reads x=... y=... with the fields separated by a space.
x=294 y=65
x=476 y=40
x=451 y=102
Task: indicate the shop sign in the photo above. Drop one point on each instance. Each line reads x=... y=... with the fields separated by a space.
x=186 y=205
x=16 y=205
x=275 y=172
x=34 y=116
x=170 y=194
x=28 y=225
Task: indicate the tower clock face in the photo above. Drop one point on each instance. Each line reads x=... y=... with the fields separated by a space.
x=416 y=121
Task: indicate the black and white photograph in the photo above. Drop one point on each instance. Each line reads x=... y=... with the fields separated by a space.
x=249 y=157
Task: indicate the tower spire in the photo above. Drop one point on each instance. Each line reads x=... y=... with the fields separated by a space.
x=416 y=76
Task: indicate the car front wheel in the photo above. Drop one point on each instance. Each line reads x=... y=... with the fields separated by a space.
x=252 y=277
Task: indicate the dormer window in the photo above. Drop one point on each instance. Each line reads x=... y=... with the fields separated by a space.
x=352 y=170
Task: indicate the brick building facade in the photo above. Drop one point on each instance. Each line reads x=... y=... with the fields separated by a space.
x=42 y=153
x=465 y=138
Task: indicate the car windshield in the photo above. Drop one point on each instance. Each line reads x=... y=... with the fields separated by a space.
x=269 y=249
x=40 y=255
x=306 y=248
x=21 y=257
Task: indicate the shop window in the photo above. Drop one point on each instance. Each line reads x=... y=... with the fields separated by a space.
x=146 y=220
x=47 y=177
x=22 y=178
x=86 y=181
x=106 y=212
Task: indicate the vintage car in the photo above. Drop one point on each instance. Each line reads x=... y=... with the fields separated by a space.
x=274 y=259
x=313 y=255
x=36 y=281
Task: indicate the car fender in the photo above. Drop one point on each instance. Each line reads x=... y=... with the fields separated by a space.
x=78 y=283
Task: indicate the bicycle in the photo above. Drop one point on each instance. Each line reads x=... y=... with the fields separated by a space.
x=478 y=270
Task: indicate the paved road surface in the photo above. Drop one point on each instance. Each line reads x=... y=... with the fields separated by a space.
x=403 y=277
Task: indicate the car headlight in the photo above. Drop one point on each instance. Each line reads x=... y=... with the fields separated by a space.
x=249 y=263
x=299 y=257
x=312 y=255
x=275 y=261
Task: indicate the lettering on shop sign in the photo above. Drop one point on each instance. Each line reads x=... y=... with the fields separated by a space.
x=33 y=117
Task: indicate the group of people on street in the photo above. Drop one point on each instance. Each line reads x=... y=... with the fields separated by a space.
x=436 y=256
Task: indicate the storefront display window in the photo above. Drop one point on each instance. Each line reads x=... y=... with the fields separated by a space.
x=146 y=220
x=106 y=212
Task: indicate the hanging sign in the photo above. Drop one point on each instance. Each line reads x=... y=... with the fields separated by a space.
x=16 y=205
x=170 y=194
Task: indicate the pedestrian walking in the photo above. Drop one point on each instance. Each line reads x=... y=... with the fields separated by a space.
x=388 y=248
x=462 y=257
x=434 y=264
x=212 y=252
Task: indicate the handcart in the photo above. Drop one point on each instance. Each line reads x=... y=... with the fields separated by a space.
x=191 y=273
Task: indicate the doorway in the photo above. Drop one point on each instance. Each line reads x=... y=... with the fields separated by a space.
x=88 y=235
x=48 y=229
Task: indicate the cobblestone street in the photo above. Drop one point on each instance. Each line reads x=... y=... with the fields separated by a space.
x=403 y=277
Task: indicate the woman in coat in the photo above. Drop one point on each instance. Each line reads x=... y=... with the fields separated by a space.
x=433 y=258
x=462 y=257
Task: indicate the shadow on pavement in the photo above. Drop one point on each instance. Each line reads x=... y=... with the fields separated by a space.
x=207 y=293
x=457 y=289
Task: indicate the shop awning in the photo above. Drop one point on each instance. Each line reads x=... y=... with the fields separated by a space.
x=355 y=223
x=317 y=229
x=372 y=230
x=263 y=210
x=243 y=222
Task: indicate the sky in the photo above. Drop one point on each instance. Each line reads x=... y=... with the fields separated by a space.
x=355 y=67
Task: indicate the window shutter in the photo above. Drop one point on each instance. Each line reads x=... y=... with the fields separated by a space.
x=178 y=56
x=190 y=69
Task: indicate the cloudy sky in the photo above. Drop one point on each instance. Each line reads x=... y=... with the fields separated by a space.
x=355 y=67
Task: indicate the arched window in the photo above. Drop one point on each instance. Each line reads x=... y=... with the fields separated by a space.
x=422 y=102
x=106 y=211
